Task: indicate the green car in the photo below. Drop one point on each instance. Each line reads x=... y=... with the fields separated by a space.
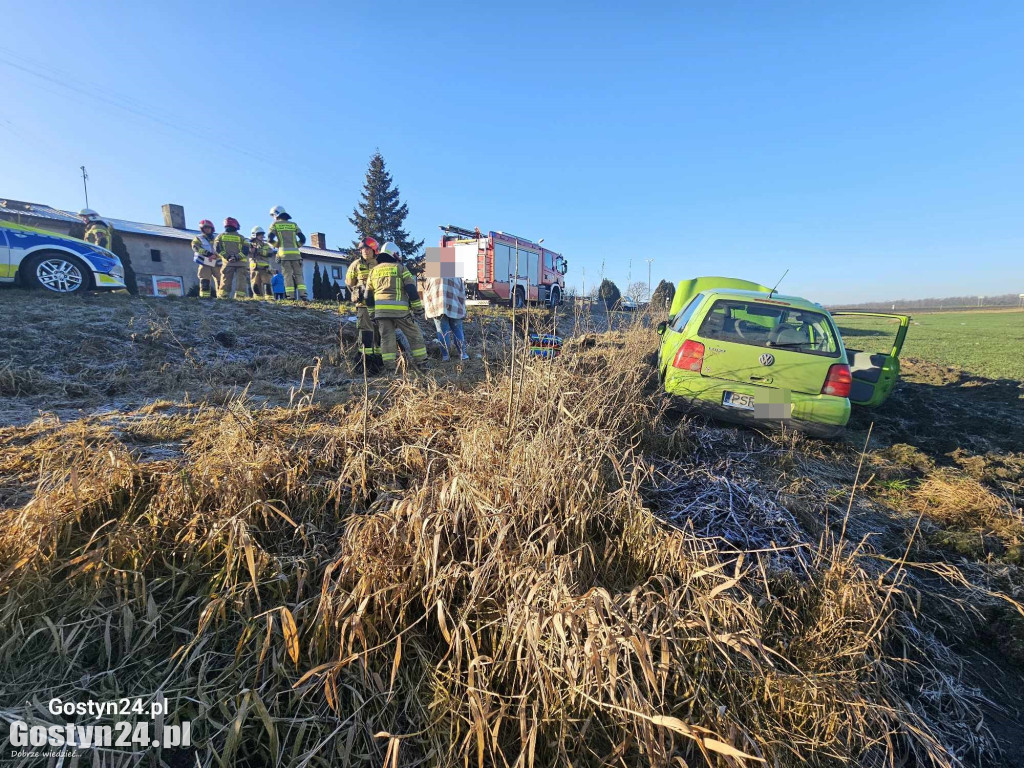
x=743 y=353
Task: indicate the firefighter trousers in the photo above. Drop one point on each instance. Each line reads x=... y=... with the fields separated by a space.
x=233 y=279
x=260 y=278
x=209 y=281
x=294 y=282
x=369 y=336
x=389 y=343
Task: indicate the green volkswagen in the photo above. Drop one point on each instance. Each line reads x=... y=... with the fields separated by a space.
x=742 y=352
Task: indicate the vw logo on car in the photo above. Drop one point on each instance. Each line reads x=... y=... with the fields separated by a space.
x=766 y=359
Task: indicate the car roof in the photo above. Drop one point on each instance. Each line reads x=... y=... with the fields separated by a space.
x=780 y=299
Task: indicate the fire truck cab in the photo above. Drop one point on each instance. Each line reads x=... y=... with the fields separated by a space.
x=502 y=267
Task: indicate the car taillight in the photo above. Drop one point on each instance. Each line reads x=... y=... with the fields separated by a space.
x=690 y=356
x=838 y=381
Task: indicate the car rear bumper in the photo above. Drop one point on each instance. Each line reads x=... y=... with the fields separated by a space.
x=819 y=415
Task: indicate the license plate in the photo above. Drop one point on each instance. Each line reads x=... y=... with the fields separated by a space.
x=738 y=400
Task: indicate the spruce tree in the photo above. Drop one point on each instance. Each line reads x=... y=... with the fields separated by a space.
x=318 y=285
x=661 y=299
x=381 y=213
x=609 y=293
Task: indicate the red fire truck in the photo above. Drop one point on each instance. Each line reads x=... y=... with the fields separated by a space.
x=489 y=261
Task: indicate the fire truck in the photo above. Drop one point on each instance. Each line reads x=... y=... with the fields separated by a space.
x=502 y=267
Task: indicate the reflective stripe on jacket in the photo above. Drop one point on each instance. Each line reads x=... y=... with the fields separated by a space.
x=387 y=289
x=288 y=238
x=260 y=253
x=356 y=278
x=100 y=233
x=231 y=245
x=202 y=246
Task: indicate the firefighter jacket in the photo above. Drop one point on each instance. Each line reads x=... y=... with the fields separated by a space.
x=288 y=238
x=356 y=279
x=203 y=248
x=260 y=254
x=391 y=291
x=100 y=233
x=231 y=246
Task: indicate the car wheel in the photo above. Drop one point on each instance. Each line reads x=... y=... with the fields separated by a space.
x=56 y=272
x=556 y=297
x=518 y=298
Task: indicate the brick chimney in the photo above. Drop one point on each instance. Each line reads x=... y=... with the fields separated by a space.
x=319 y=240
x=174 y=216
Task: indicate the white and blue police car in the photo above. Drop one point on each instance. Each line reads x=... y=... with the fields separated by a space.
x=53 y=262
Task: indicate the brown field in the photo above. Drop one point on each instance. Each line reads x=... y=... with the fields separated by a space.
x=465 y=567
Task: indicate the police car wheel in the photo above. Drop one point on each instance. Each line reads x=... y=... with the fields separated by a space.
x=57 y=273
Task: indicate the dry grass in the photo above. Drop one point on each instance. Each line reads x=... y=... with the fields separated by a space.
x=444 y=590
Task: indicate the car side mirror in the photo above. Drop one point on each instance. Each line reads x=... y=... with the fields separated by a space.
x=662 y=327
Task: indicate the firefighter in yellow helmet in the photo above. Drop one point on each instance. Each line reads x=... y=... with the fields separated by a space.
x=232 y=248
x=286 y=236
x=97 y=231
x=206 y=257
x=391 y=297
x=356 y=280
x=260 y=254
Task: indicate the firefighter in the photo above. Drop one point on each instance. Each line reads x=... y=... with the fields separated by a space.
x=260 y=253
x=355 y=279
x=392 y=298
x=206 y=257
x=97 y=231
x=288 y=238
x=232 y=248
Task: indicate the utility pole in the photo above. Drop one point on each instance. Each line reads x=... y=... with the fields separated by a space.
x=649 y=292
x=85 y=185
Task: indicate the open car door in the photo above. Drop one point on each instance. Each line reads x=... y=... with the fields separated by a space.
x=875 y=369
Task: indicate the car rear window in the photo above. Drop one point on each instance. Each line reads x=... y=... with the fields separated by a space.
x=758 y=324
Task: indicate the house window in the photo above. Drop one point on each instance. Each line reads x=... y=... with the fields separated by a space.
x=336 y=273
x=154 y=254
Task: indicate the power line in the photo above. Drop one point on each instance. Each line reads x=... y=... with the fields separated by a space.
x=130 y=105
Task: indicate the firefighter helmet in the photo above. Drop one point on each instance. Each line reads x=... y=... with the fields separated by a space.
x=392 y=250
x=257 y=231
x=231 y=222
x=204 y=224
x=371 y=243
x=88 y=213
x=278 y=210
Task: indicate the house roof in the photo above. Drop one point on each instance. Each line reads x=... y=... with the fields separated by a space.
x=10 y=208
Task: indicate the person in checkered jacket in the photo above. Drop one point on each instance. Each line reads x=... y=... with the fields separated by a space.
x=444 y=302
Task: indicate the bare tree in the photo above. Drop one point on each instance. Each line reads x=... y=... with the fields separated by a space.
x=637 y=292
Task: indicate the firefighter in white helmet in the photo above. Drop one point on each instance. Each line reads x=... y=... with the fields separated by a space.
x=97 y=231
x=260 y=254
x=286 y=236
x=391 y=297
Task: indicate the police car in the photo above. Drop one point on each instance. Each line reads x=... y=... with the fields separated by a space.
x=47 y=260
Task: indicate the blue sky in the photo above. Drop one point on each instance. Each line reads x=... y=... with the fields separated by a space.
x=873 y=148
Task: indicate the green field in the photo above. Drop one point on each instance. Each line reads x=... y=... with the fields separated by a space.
x=986 y=344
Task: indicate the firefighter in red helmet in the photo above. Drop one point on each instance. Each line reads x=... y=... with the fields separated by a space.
x=204 y=254
x=233 y=248
x=355 y=280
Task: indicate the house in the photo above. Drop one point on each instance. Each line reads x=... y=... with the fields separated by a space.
x=161 y=255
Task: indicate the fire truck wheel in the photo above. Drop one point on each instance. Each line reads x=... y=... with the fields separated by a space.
x=518 y=298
